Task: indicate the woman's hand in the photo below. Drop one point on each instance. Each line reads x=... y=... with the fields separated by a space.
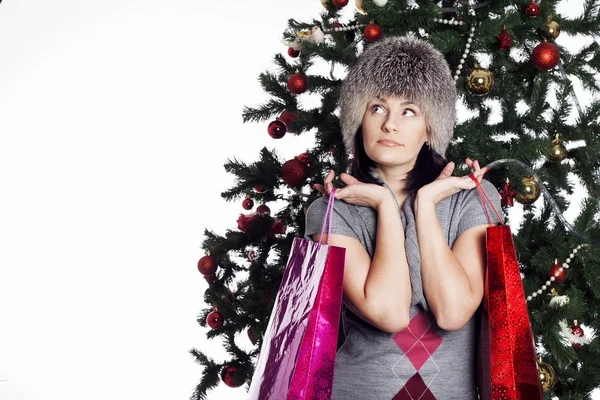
x=446 y=185
x=356 y=192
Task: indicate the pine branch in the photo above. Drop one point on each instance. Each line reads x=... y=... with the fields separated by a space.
x=210 y=375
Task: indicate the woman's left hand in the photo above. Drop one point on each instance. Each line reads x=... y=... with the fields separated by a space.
x=446 y=185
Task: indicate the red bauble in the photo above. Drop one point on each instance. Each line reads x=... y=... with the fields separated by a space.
x=533 y=9
x=340 y=3
x=372 y=32
x=277 y=227
x=504 y=39
x=210 y=278
x=507 y=195
x=277 y=129
x=207 y=265
x=287 y=117
x=576 y=330
x=294 y=172
x=336 y=24
x=545 y=56
x=298 y=83
x=214 y=320
x=292 y=52
x=263 y=209
x=258 y=188
x=304 y=158
x=248 y=204
x=561 y=276
x=233 y=375
x=252 y=335
x=245 y=221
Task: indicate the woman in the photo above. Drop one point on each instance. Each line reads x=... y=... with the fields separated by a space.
x=414 y=235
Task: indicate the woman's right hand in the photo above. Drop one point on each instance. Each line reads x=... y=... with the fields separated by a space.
x=356 y=192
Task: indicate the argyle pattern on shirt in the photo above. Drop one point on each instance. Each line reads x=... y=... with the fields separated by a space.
x=418 y=342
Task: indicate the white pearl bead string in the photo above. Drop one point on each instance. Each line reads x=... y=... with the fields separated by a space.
x=343 y=28
x=565 y=265
x=448 y=21
x=467 y=46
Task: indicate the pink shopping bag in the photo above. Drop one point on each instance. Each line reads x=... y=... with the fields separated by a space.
x=297 y=357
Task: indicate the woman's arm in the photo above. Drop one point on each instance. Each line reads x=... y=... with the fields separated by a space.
x=453 y=279
x=378 y=290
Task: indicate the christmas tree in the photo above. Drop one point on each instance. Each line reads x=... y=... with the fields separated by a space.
x=525 y=121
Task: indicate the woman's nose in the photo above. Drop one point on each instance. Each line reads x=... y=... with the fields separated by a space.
x=390 y=125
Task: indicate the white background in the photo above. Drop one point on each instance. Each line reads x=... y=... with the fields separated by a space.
x=115 y=121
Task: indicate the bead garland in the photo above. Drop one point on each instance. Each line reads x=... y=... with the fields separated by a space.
x=467 y=46
x=564 y=266
x=448 y=21
x=343 y=28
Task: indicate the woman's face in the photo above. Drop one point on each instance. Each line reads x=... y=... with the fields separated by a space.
x=390 y=119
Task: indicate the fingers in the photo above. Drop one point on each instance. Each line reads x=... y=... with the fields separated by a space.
x=329 y=181
x=320 y=188
x=327 y=186
x=447 y=171
x=347 y=178
x=469 y=162
x=475 y=167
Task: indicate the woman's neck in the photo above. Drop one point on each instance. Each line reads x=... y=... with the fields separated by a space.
x=395 y=179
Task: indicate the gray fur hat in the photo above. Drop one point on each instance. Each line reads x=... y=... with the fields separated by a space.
x=401 y=66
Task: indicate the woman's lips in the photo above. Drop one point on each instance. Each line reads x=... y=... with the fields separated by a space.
x=389 y=143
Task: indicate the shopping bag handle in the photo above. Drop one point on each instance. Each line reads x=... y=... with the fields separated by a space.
x=482 y=193
x=329 y=212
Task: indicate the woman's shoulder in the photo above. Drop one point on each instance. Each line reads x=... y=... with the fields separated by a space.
x=319 y=206
x=473 y=194
x=471 y=201
x=351 y=213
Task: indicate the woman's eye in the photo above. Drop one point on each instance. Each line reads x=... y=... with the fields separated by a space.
x=376 y=106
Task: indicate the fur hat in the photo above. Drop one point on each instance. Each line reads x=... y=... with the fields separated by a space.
x=402 y=66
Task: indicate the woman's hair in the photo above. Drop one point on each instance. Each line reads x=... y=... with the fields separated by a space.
x=427 y=168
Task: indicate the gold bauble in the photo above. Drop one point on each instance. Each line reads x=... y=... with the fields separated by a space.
x=547 y=375
x=360 y=7
x=480 y=81
x=552 y=29
x=559 y=151
x=531 y=191
x=304 y=34
x=324 y=3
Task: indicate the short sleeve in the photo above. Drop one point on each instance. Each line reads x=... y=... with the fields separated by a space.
x=342 y=223
x=472 y=212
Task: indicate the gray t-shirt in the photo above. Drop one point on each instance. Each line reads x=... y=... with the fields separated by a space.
x=422 y=361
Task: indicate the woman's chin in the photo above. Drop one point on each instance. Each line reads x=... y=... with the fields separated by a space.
x=390 y=159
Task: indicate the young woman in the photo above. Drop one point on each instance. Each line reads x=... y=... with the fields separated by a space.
x=414 y=235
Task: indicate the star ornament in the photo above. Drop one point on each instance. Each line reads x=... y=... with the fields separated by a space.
x=504 y=39
x=507 y=195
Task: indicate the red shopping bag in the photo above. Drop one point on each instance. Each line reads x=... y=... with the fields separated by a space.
x=507 y=361
x=297 y=357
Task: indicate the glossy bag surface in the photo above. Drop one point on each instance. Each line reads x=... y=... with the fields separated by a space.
x=297 y=357
x=507 y=362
